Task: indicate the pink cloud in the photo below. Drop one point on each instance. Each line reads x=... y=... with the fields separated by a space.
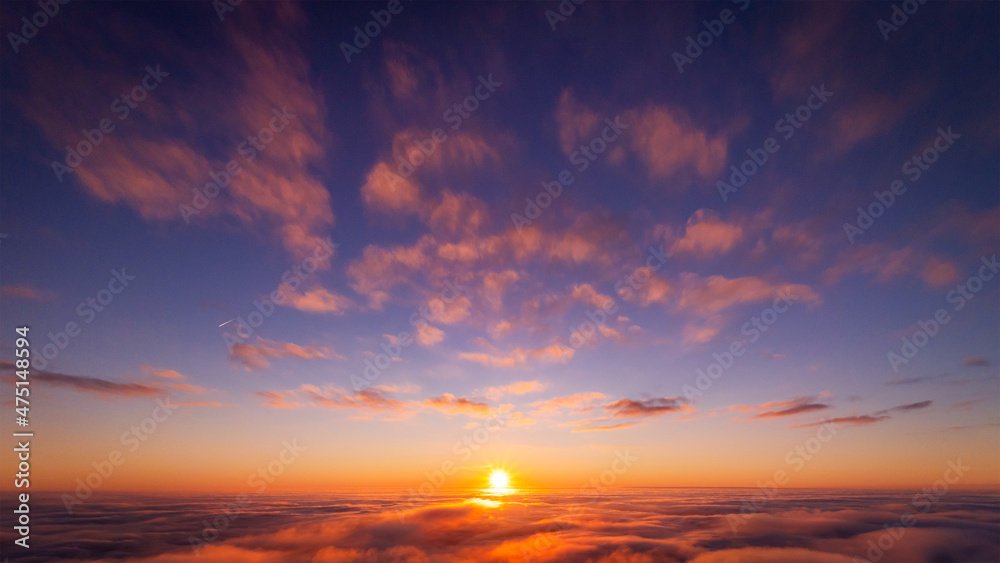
x=706 y=234
x=668 y=143
x=260 y=68
x=318 y=300
x=518 y=356
x=450 y=404
x=428 y=335
x=165 y=373
x=333 y=398
x=717 y=293
x=578 y=402
x=386 y=191
x=516 y=388
x=585 y=293
x=255 y=356
x=575 y=121
x=27 y=293
x=887 y=264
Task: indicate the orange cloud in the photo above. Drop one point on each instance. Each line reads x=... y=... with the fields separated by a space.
x=259 y=70
x=428 y=335
x=165 y=373
x=279 y=399
x=716 y=293
x=553 y=353
x=585 y=293
x=458 y=214
x=256 y=356
x=667 y=143
x=578 y=402
x=386 y=191
x=575 y=121
x=516 y=388
x=27 y=293
x=494 y=284
x=887 y=264
x=319 y=300
x=331 y=397
x=608 y=427
x=450 y=404
x=706 y=234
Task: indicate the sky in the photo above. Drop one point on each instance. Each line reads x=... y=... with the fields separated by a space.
x=728 y=239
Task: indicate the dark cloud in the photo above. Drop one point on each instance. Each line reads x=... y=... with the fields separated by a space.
x=645 y=407
x=909 y=380
x=864 y=419
x=90 y=384
x=793 y=410
x=911 y=406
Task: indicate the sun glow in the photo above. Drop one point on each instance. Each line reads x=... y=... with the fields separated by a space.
x=499 y=480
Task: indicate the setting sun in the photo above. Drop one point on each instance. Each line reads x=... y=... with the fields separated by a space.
x=499 y=479
x=762 y=326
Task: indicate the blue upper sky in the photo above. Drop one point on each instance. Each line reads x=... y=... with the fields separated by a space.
x=726 y=146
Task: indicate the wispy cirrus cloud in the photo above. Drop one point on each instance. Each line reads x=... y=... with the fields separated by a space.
x=871 y=418
x=89 y=384
x=257 y=355
x=450 y=404
x=370 y=400
x=578 y=403
x=315 y=300
x=258 y=67
x=791 y=407
x=519 y=356
x=516 y=388
x=27 y=293
x=860 y=419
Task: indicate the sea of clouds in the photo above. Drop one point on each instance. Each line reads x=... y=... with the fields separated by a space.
x=620 y=526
